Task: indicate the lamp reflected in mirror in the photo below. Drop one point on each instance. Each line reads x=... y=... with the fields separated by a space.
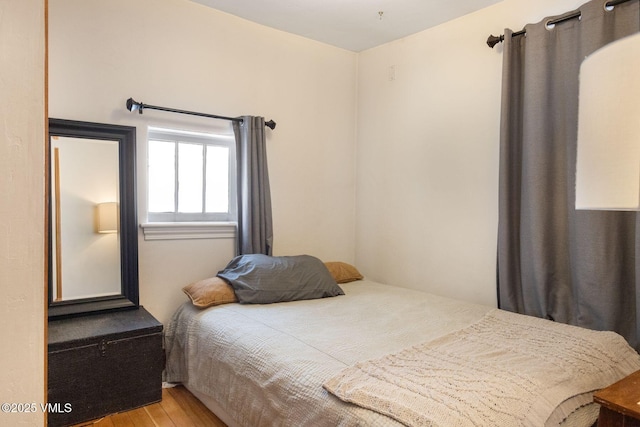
x=608 y=151
x=107 y=218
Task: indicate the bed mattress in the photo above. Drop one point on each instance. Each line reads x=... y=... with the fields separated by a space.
x=265 y=365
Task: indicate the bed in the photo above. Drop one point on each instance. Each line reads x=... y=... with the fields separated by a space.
x=380 y=355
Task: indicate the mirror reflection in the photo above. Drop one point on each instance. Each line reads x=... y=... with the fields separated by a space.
x=93 y=236
x=85 y=214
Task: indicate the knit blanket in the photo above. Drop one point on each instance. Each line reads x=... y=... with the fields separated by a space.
x=504 y=370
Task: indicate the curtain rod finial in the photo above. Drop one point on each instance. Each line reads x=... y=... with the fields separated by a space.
x=494 y=40
x=133 y=105
x=270 y=124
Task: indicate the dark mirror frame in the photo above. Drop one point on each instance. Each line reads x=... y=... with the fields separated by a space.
x=129 y=297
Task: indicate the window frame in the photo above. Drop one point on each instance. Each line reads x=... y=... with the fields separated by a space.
x=203 y=139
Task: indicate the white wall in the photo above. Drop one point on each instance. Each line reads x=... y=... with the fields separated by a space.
x=428 y=146
x=22 y=137
x=179 y=54
x=426 y=141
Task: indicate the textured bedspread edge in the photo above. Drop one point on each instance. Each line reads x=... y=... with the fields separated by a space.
x=380 y=384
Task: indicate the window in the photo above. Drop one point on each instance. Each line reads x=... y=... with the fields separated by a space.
x=191 y=176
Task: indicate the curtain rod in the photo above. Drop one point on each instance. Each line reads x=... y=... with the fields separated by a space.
x=133 y=105
x=494 y=40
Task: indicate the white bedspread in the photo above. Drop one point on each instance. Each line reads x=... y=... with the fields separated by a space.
x=505 y=370
x=265 y=364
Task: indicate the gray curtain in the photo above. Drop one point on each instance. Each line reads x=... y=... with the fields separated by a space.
x=576 y=267
x=255 y=230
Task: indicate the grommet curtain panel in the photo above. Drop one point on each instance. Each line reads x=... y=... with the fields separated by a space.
x=575 y=267
x=255 y=229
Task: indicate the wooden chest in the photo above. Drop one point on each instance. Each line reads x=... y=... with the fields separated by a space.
x=102 y=364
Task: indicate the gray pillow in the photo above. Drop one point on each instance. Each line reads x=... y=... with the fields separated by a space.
x=263 y=279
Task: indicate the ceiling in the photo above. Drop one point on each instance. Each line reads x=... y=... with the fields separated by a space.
x=354 y=25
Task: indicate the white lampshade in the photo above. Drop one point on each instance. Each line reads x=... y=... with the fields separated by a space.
x=107 y=217
x=608 y=159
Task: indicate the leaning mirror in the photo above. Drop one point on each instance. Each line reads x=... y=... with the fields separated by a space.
x=93 y=243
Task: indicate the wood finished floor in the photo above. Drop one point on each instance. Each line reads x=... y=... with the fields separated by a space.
x=179 y=408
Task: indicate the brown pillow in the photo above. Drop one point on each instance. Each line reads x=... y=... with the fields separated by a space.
x=343 y=272
x=208 y=292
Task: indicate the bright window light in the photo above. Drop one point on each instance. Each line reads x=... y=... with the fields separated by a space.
x=191 y=176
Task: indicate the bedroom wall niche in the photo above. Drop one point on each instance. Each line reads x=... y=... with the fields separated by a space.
x=93 y=264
